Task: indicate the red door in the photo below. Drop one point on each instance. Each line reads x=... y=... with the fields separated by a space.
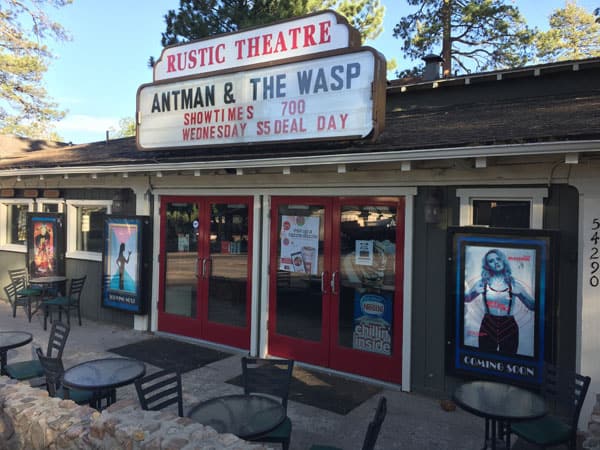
x=336 y=283
x=205 y=263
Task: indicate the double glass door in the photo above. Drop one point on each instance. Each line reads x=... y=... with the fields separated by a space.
x=336 y=283
x=205 y=261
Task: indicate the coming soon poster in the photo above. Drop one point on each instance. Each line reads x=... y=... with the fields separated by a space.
x=45 y=244
x=501 y=286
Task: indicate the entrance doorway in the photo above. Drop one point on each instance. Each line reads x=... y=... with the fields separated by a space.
x=336 y=268
x=205 y=268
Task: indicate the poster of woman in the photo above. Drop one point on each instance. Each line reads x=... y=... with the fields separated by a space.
x=500 y=294
x=122 y=261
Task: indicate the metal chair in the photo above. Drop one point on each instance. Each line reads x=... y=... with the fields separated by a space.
x=566 y=390
x=27 y=370
x=25 y=294
x=272 y=377
x=66 y=303
x=54 y=370
x=159 y=390
x=16 y=300
x=372 y=430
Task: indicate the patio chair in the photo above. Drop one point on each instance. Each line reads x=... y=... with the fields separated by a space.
x=27 y=370
x=566 y=391
x=372 y=430
x=159 y=390
x=271 y=377
x=16 y=300
x=66 y=303
x=53 y=371
x=25 y=293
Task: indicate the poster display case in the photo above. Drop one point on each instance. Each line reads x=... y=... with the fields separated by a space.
x=501 y=292
x=45 y=244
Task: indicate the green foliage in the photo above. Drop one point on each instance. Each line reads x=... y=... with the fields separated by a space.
x=364 y=15
x=474 y=35
x=574 y=34
x=196 y=19
x=126 y=128
x=25 y=108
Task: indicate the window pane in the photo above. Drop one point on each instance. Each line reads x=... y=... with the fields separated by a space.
x=506 y=214
x=17 y=224
x=50 y=207
x=90 y=228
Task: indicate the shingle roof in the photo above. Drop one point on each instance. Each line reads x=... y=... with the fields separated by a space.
x=562 y=106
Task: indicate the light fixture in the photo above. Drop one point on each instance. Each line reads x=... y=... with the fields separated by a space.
x=196 y=173
x=94 y=176
x=125 y=175
x=18 y=177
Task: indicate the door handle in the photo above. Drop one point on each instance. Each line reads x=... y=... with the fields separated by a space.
x=323 y=282
x=334 y=277
x=204 y=267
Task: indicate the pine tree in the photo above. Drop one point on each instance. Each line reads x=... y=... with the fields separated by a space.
x=473 y=35
x=25 y=107
x=574 y=34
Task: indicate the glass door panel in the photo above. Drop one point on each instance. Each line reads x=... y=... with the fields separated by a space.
x=367 y=278
x=300 y=271
x=227 y=265
x=181 y=259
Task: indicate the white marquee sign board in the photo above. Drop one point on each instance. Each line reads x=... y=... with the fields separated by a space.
x=325 y=98
x=311 y=34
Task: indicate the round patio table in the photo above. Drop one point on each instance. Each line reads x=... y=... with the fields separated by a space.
x=499 y=403
x=246 y=416
x=10 y=340
x=104 y=376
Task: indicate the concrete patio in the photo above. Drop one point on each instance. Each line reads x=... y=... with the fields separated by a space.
x=413 y=421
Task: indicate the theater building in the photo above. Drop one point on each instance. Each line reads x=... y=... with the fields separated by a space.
x=341 y=251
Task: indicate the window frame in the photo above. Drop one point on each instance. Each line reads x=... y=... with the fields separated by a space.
x=4 y=204
x=535 y=197
x=72 y=228
x=40 y=202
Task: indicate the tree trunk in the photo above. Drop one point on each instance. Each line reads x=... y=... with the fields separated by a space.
x=446 y=38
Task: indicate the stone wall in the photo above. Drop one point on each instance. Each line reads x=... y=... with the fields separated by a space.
x=592 y=441
x=30 y=419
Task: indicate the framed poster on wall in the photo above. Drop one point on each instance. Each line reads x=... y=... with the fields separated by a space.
x=45 y=244
x=501 y=291
x=123 y=283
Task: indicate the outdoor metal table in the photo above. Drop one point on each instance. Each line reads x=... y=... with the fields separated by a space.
x=9 y=340
x=499 y=403
x=245 y=416
x=46 y=283
x=104 y=376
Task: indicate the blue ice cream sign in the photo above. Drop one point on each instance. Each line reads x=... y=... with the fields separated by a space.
x=372 y=322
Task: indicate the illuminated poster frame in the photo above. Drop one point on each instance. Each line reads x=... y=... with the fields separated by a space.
x=123 y=264
x=45 y=244
x=501 y=292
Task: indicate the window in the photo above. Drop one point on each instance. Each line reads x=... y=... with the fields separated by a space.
x=50 y=205
x=507 y=208
x=13 y=223
x=85 y=228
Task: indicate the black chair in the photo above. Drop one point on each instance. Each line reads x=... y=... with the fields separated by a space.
x=565 y=390
x=54 y=370
x=26 y=370
x=66 y=303
x=16 y=300
x=159 y=390
x=372 y=430
x=25 y=294
x=271 y=377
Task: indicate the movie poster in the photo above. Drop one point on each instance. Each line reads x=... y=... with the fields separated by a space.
x=501 y=289
x=122 y=260
x=299 y=244
x=45 y=247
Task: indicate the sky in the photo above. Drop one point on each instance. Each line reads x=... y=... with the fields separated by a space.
x=95 y=76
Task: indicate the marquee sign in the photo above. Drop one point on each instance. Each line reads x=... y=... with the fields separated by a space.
x=330 y=97
x=311 y=34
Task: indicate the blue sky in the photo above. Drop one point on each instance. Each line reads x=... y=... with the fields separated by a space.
x=95 y=76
